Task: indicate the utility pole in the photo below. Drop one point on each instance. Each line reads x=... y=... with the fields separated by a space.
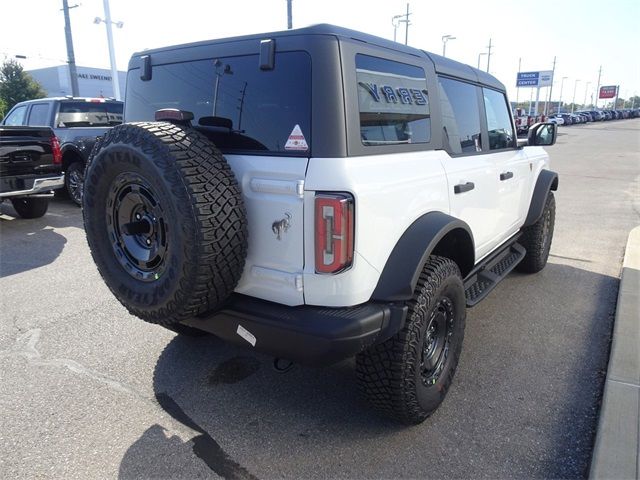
x=553 y=76
x=289 y=20
x=598 y=87
x=489 y=55
x=586 y=90
x=71 y=58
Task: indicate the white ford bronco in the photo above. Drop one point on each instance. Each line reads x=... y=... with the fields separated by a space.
x=318 y=194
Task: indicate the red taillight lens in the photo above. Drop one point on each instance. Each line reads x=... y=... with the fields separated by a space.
x=56 y=151
x=334 y=232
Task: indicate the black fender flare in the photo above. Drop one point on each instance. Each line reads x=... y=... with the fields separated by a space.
x=400 y=274
x=547 y=181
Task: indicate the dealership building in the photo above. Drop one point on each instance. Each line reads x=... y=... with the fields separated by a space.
x=92 y=82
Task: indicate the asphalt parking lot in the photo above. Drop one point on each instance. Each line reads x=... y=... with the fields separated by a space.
x=87 y=391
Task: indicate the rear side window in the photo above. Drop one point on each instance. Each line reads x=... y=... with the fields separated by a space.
x=393 y=102
x=39 y=114
x=498 y=120
x=16 y=117
x=460 y=116
x=89 y=114
x=240 y=107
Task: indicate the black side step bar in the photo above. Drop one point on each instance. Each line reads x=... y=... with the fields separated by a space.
x=480 y=283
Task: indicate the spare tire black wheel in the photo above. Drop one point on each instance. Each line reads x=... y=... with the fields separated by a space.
x=164 y=220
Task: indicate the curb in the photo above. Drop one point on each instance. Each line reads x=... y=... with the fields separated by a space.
x=616 y=453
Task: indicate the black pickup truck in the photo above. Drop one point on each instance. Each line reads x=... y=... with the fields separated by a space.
x=30 y=168
x=77 y=122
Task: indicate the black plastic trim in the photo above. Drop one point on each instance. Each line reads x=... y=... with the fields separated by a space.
x=304 y=334
x=400 y=275
x=547 y=181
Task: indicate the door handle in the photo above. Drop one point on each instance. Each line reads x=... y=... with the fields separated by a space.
x=464 y=187
x=506 y=176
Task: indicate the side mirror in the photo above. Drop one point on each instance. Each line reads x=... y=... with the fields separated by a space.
x=542 y=134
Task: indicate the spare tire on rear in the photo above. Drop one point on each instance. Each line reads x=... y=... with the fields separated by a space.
x=164 y=220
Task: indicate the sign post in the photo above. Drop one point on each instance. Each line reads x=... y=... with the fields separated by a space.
x=608 y=91
x=535 y=80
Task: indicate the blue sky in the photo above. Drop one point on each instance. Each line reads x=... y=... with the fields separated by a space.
x=582 y=34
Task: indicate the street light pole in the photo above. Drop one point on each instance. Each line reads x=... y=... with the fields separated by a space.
x=489 y=55
x=395 y=25
x=112 y=55
x=479 y=55
x=289 y=16
x=573 y=102
x=586 y=89
x=560 y=100
x=445 y=39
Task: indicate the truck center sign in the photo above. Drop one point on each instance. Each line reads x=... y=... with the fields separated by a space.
x=608 y=91
x=534 y=79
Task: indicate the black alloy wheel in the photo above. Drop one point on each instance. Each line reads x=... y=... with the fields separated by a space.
x=137 y=227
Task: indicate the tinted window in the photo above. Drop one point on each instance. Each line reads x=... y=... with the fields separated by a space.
x=498 y=120
x=236 y=104
x=39 y=114
x=89 y=114
x=460 y=116
x=393 y=101
x=16 y=117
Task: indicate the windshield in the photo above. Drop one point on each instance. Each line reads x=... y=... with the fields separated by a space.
x=89 y=114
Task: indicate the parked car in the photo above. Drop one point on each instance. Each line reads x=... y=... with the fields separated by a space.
x=30 y=168
x=327 y=167
x=557 y=119
x=77 y=122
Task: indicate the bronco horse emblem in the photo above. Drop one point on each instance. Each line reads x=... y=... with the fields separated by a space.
x=281 y=226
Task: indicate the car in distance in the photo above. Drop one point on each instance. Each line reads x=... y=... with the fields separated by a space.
x=318 y=194
x=77 y=122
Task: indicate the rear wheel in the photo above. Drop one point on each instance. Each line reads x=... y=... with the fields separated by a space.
x=408 y=376
x=30 y=207
x=536 y=239
x=73 y=182
x=164 y=220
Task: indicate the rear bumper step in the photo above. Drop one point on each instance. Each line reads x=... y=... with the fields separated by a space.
x=304 y=334
x=478 y=285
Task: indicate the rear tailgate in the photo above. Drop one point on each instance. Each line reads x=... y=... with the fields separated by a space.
x=26 y=151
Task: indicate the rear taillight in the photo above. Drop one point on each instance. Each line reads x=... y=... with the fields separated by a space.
x=334 y=232
x=56 y=151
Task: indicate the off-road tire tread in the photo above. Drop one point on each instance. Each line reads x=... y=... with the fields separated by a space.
x=532 y=240
x=212 y=215
x=381 y=370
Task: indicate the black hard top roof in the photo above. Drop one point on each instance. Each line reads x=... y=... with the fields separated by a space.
x=443 y=65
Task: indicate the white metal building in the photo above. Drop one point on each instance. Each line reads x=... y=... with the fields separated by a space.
x=92 y=82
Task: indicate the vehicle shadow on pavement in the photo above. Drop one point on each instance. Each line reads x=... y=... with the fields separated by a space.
x=524 y=402
x=228 y=394
x=26 y=244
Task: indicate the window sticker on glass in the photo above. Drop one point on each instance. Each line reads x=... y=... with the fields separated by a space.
x=393 y=101
x=296 y=140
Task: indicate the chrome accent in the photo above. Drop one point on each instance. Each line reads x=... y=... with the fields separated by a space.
x=40 y=185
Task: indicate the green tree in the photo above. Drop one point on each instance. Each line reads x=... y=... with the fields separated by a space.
x=3 y=109
x=16 y=85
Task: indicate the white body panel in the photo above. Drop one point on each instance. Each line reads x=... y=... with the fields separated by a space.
x=272 y=188
x=390 y=192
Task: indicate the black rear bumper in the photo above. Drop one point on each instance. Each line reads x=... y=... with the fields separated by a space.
x=306 y=334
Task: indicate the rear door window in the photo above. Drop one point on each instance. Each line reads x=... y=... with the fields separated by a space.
x=393 y=102
x=89 y=114
x=39 y=115
x=17 y=116
x=240 y=107
x=460 y=116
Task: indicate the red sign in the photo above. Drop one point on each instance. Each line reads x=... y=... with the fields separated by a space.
x=609 y=91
